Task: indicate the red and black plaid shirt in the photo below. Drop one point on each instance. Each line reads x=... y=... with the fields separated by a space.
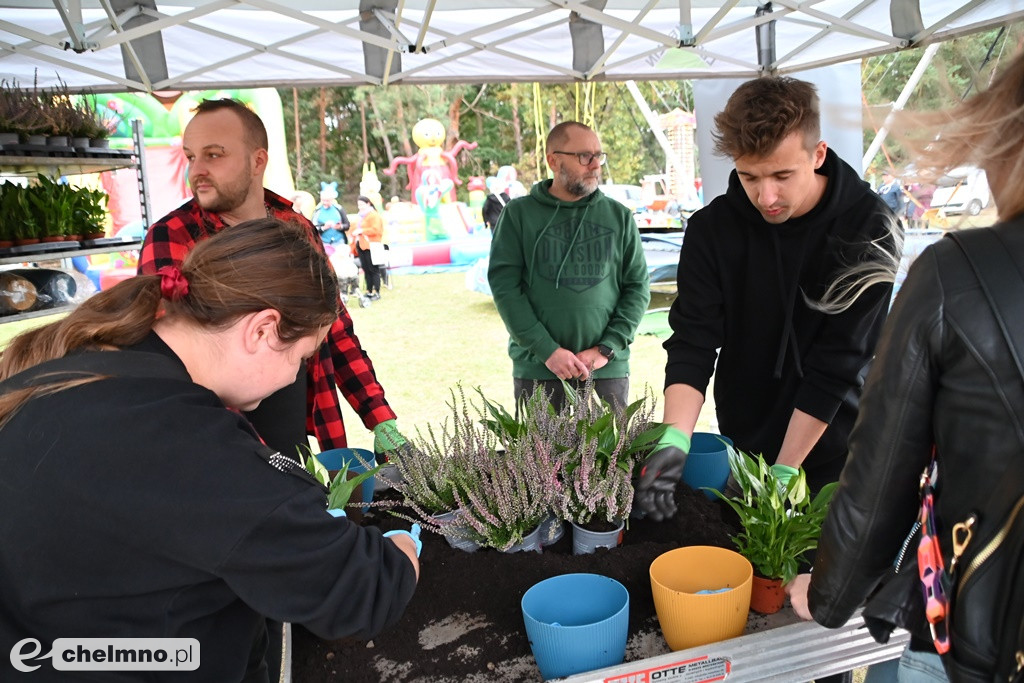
x=341 y=361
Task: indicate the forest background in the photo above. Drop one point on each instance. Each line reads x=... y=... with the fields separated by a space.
x=332 y=132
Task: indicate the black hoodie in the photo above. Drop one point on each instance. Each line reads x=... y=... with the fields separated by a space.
x=741 y=277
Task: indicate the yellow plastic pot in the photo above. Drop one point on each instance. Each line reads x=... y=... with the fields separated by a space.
x=690 y=617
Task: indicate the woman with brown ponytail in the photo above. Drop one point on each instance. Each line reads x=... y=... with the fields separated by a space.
x=137 y=502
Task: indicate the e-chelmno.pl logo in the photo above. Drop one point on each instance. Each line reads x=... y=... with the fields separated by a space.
x=109 y=654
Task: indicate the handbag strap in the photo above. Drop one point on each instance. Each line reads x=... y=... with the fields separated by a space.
x=1002 y=283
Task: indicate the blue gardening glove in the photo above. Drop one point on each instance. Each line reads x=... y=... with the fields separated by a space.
x=336 y=512
x=386 y=437
x=784 y=473
x=414 y=534
x=660 y=475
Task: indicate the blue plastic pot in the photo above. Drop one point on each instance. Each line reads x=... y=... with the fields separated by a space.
x=707 y=463
x=576 y=623
x=336 y=458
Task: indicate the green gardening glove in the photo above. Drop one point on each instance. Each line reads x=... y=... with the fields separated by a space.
x=660 y=474
x=386 y=437
x=784 y=474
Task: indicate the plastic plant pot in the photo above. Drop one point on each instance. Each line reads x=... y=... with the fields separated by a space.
x=701 y=594
x=707 y=463
x=585 y=541
x=576 y=623
x=335 y=459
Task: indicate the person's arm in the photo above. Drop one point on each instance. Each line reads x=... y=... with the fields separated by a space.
x=337 y=579
x=507 y=275
x=344 y=218
x=877 y=500
x=682 y=407
x=801 y=435
x=697 y=321
x=634 y=290
x=353 y=373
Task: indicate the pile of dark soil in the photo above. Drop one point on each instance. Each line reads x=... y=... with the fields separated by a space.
x=464 y=624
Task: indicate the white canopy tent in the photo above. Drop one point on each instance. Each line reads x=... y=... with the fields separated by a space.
x=118 y=45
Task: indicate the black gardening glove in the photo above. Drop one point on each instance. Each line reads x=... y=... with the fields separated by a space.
x=660 y=474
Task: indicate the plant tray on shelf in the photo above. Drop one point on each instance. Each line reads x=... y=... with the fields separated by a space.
x=39 y=248
x=112 y=241
x=64 y=152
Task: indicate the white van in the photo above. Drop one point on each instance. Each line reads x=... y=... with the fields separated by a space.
x=964 y=189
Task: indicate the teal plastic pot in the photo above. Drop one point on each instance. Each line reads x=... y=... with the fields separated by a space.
x=707 y=463
x=576 y=623
x=335 y=458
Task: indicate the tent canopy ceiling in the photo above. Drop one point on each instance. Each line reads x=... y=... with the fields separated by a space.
x=117 y=45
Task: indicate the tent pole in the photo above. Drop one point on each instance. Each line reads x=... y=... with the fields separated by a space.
x=652 y=121
x=901 y=101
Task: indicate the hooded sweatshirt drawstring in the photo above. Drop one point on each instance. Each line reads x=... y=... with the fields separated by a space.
x=787 y=339
x=533 y=253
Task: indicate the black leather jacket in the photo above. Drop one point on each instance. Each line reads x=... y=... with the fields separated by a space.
x=943 y=375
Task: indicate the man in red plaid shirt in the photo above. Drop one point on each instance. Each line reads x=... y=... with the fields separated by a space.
x=226 y=147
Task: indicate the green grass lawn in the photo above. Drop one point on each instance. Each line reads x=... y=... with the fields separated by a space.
x=429 y=333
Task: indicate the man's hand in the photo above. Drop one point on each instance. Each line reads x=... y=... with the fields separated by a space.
x=565 y=365
x=592 y=358
x=386 y=437
x=660 y=474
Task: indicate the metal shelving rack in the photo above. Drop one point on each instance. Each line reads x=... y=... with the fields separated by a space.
x=63 y=164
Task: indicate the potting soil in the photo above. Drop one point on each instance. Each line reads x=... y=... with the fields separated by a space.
x=465 y=624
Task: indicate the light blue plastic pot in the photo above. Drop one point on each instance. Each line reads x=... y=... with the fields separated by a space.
x=576 y=623
x=336 y=458
x=707 y=463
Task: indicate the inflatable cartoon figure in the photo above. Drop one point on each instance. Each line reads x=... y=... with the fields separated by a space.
x=329 y=217
x=508 y=178
x=434 y=190
x=369 y=186
x=429 y=134
x=477 y=197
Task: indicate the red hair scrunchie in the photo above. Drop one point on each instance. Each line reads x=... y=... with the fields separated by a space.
x=173 y=285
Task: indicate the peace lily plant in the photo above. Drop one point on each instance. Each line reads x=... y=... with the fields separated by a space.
x=781 y=521
x=340 y=488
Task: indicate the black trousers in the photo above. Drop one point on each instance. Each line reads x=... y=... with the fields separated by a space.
x=371 y=271
x=614 y=390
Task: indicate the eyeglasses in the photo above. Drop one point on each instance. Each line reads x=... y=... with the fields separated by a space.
x=586 y=158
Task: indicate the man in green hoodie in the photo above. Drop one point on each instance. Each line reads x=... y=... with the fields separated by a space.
x=569 y=276
x=570 y=281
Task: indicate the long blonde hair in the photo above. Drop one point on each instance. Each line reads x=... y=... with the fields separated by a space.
x=986 y=130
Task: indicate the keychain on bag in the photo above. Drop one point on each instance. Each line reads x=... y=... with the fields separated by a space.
x=934 y=580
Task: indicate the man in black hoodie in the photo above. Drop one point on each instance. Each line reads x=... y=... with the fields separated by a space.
x=786 y=280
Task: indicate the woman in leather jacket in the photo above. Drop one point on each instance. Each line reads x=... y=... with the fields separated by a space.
x=943 y=376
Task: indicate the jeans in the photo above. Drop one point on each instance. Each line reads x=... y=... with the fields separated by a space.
x=911 y=667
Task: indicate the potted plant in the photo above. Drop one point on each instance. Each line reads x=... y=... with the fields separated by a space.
x=341 y=487
x=781 y=523
x=487 y=493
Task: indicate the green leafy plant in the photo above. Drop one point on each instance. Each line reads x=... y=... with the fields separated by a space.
x=780 y=522
x=339 y=489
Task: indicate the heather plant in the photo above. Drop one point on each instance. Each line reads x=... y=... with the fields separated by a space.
x=501 y=487
x=598 y=447
x=428 y=466
x=504 y=494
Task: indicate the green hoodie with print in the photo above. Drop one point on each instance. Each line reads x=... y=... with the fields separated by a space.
x=567 y=274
